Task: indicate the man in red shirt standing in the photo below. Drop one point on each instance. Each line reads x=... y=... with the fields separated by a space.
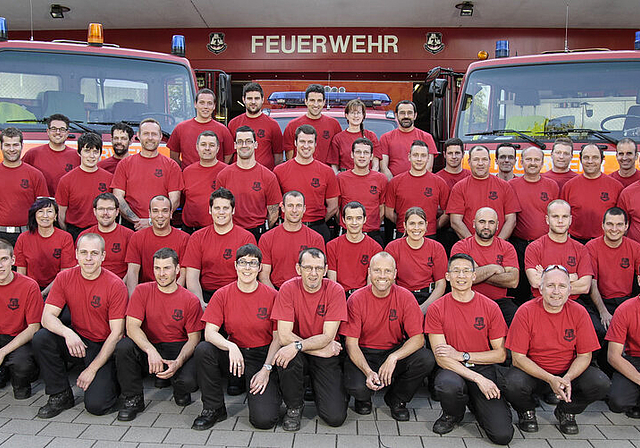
x=77 y=189
x=97 y=300
x=147 y=174
x=163 y=328
x=396 y=144
x=551 y=339
x=506 y=160
x=496 y=261
x=627 y=157
x=590 y=195
x=561 y=158
x=364 y=185
x=481 y=189
x=316 y=181
x=21 y=303
x=385 y=342
x=21 y=184
x=254 y=187
x=54 y=159
x=280 y=246
x=417 y=187
x=121 y=135
x=116 y=237
x=466 y=331
x=349 y=255
x=269 y=151
x=182 y=142
x=326 y=127
x=308 y=310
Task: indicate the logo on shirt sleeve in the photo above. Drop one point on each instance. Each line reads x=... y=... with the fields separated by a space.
x=158 y=172
x=479 y=324
x=24 y=183
x=364 y=260
x=68 y=167
x=544 y=197
x=177 y=315
x=321 y=310
x=569 y=334
x=428 y=192
x=261 y=133
x=373 y=189
x=116 y=248
x=393 y=314
x=262 y=313
x=256 y=186
x=493 y=195
x=57 y=253
x=624 y=263
x=13 y=304
x=571 y=261
x=315 y=182
x=95 y=301
x=227 y=254
x=102 y=187
x=604 y=196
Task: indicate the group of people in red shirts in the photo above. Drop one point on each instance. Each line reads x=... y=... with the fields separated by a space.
x=538 y=264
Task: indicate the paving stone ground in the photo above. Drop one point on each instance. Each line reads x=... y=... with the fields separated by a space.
x=163 y=424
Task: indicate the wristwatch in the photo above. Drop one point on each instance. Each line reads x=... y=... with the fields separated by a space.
x=466 y=357
x=298 y=345
x=268 y=367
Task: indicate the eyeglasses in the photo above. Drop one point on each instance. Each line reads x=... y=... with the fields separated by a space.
x=61 y=130
x=245 y=142
x=105 y=209
x=551 y=267
x=458 y=272
x=248 y=264
x=309 y=269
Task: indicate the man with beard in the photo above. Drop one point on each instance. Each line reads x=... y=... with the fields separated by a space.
x=269 y=150
x=121 y=135
x=496 y=261
x=396 y=144
x=255 y=188
x=561 y=158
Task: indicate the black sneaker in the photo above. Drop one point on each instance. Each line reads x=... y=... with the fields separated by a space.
x=567 y=422
x=446 y=423
x=527 y=421
x=161 y=383
x=634 y=412
x=182 y=399
x=292 y=419
x=208 y=418
x=236 y=388
x=398 y=410
x=362 y=407
x=22 y=392
x=130 y=408
x=56 y=404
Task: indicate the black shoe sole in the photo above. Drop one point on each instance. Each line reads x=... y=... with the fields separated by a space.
x=209 y=425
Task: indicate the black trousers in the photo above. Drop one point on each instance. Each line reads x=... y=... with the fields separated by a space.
x=508 y=307
x=522 y=292
x=406 y=379
x=257 y=232
x=624 y=393
x=21 y=363
x=321 y=227
x=591 y=386
x=456 y=393
x=263 y=408
x=326 y=379
x=133 y=366
x=11 y=238
x=75 y=231
x=51 y=353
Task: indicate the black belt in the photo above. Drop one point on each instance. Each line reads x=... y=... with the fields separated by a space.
x=314 y=223
x=13 y=229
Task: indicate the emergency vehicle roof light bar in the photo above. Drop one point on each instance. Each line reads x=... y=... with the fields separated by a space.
x=3 y=30
x=636 y=45
x=502 y=49
x=333 y=98
x=178 y=45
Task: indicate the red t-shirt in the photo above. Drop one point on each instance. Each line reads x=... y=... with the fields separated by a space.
x=428 y=192
x=625 y=181
x=452 y=179
x=245 y=316
x=531 y=223
x=52 y=164
x=500 y=252
x=470 y=194
x=396 y=144
x=325 y=126
x=254 y=189
x=351 y=260
x=199 y=183
x=625 y=326
x=467 y=326
x=560 y=178
x=628 y=201
x=116 y=243
x=382 y=322
x=77 y=189
x=280 y=249
x=317 y=182
x=369 y=190
x=44 y=257
x=268 y=134
x=144 y=243
x=185 y=135
x=571 y=254
x=20 y=188
x=92 y=303
x=589 y=199
x=142 y=178
x=309 y=311
x=417 y=268
x=214 y=254
x=615 y=269
x=343 y=142
x=165 y=317
x=552 y=340
x=109 y=164
x=21 y=304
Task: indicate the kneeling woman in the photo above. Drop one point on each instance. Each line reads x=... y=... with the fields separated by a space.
x=244 y=308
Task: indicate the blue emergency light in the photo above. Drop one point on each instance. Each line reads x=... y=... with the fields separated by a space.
x=178 y=45
x=332 y=98
x=502 y=49
x=637 y=42
x=3 y=29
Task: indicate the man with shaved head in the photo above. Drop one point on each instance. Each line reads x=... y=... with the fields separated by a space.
x=384 y=341
x=496 y=261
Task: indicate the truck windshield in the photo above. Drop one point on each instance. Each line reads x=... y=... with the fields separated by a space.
x=91 y=89
x=548 y=100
